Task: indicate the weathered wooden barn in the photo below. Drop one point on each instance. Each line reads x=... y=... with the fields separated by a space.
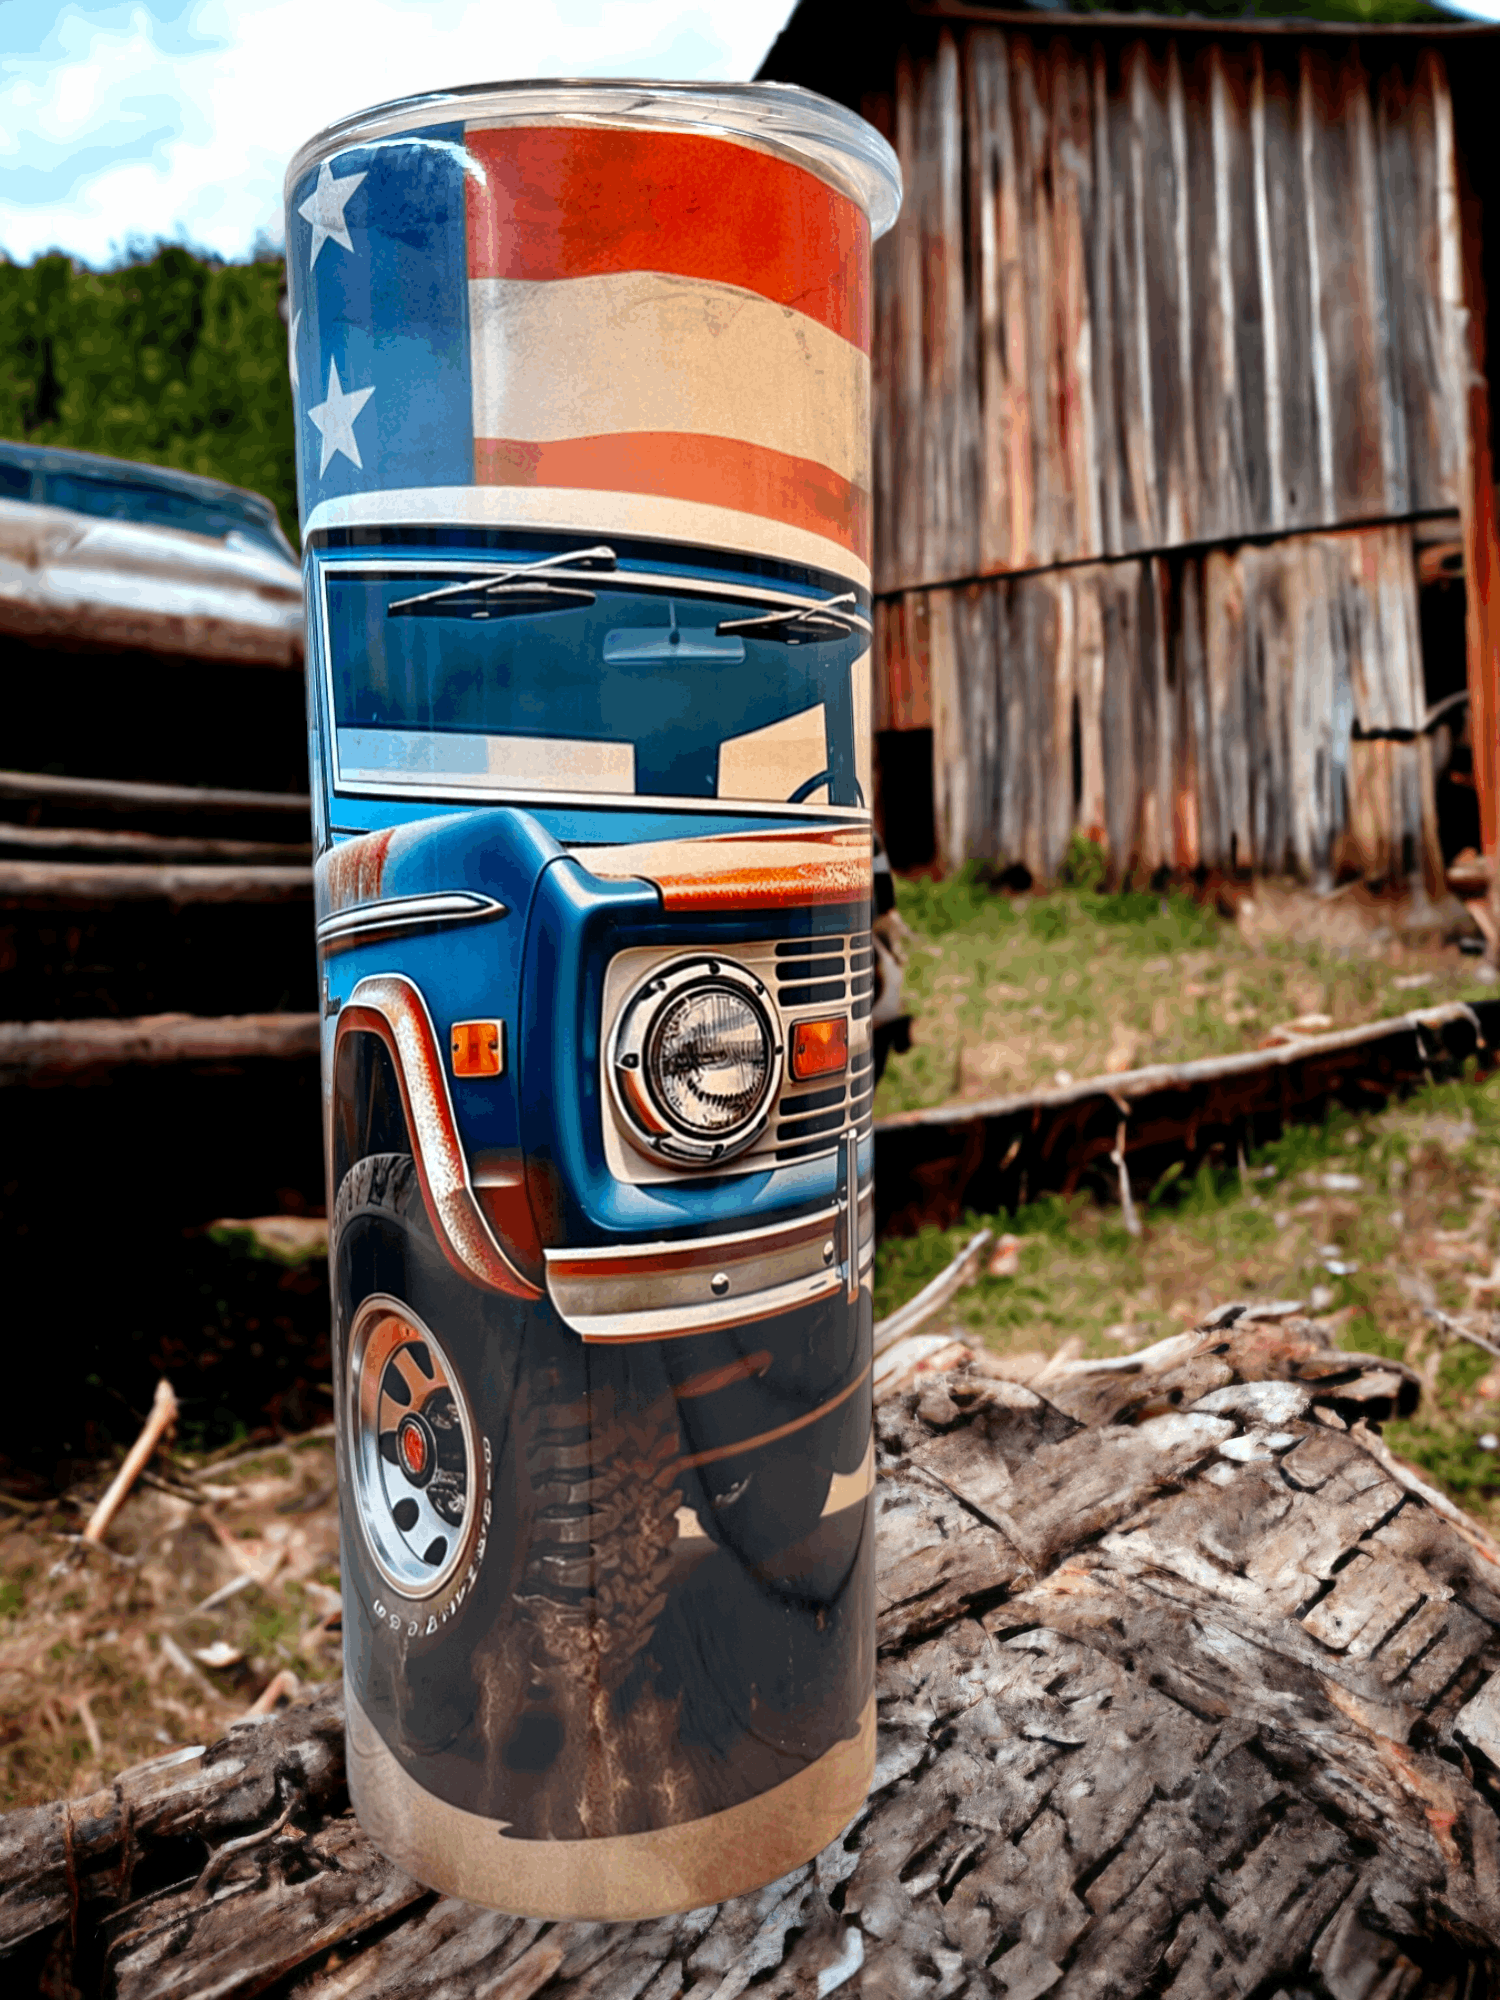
x=1184 y=506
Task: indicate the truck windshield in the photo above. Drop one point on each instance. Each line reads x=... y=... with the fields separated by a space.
x=561 y=676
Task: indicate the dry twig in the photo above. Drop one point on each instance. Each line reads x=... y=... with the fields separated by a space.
x=1451 y=1325
x=163 y=1416
x=285 y=1684
x=933 y=1297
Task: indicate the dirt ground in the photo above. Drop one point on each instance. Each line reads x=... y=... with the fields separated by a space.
x=217 y=1586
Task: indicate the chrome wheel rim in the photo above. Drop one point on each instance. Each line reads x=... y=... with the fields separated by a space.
x=412 y=1449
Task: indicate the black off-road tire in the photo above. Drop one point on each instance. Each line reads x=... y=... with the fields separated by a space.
x=572 y=1550
x=407 y=1649
x=603 y=1475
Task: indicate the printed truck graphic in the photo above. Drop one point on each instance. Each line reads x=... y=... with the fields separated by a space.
x=597 y=979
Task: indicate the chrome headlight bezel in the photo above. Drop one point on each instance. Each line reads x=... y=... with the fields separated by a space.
x=646 y=1121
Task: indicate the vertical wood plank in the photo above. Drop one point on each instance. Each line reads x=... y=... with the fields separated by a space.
x=1122 y=769
x=949 y=767
x=1156 y=604
x=1017 y=421
x=974 y=652
x=1102 y=310
x=1012 y=619
x=1321 y=379
x=1195 y=810
x=1228 y=717
x=1348 y=315
x=1089 y=621
x=1297 y=499
x=1043 y=469
x=1141 y=428
x=1236 y=68
x=1220 y=435
x=1058 y=817
x=1183 y=511
x=1384 y=324
x=1406 y=138
x=1079 y=527
x=985 y=83
x=1275 y=489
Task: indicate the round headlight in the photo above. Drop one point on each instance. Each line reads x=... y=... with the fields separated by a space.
x=707 y=1060
x=697 y=1061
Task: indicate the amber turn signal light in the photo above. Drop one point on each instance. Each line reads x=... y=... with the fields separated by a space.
x=478 y=1048
x=819 y=1048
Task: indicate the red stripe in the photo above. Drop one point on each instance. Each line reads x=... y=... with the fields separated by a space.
x=678 y=465
x=566 y=202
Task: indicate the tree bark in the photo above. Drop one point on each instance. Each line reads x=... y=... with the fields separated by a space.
x=48 y=1051
x=1186 y=1687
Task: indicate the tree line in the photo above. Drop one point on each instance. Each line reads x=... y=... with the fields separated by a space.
x=169 y=358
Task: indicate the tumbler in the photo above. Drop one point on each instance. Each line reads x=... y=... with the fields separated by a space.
x=581 y=375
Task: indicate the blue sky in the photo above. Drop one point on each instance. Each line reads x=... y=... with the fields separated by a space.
x=175 y=118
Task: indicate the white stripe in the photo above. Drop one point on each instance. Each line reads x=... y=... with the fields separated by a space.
x=577 y=510
x=644 y=351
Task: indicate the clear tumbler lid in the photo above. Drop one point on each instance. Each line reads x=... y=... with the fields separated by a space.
x=781 y=118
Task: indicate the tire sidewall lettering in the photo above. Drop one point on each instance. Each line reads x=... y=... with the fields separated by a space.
x=423 y=1620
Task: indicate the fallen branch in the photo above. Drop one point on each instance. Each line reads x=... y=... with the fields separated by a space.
x=1130 y=1084
x=173 y=1653
x=215 y=1465
x=1451 y=1325
x=163 y=1416
x=933 y=1297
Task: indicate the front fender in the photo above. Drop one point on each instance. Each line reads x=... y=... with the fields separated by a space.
x=390 y=1006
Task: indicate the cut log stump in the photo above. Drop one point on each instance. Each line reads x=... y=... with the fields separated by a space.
x=1187 y=1687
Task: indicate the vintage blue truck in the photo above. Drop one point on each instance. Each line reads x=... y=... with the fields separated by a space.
x=593 y=903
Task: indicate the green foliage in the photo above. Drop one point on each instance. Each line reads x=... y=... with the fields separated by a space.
x=954 y=903
x=1085 y=865
x=170 y=359
x=1353 y=11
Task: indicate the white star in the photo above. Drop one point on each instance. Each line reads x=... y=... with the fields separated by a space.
x=335 y=419
x=324 y=209
x=291 y=355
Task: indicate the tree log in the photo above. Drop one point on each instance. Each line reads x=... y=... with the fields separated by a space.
x=996 y=1152
x=122 y=796
x=1184 y=1689
x=51 y=884
x=58 y=843
x=48 y=1051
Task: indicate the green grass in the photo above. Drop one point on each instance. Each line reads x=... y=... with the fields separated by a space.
x=1011 y=992
x=1425 y=1218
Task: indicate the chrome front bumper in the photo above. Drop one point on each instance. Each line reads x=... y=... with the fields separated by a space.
x=658 y=1291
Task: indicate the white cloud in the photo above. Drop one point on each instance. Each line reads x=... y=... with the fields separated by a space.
x=181 y=127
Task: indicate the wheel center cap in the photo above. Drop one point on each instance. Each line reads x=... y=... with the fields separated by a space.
x=414 y=1450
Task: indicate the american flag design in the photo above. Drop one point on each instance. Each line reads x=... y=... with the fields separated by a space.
x=613 y=329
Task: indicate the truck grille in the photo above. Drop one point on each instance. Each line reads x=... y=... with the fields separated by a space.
x=814 y=974
x=809 y=978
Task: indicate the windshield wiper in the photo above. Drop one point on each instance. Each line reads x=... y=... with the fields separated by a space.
x=544 y=585
x=797 y=625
